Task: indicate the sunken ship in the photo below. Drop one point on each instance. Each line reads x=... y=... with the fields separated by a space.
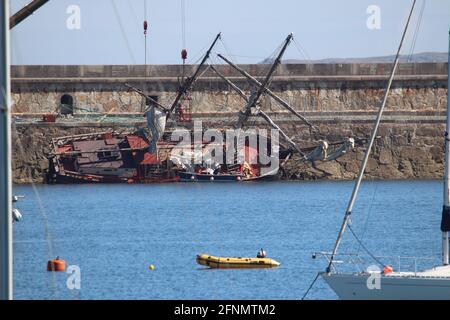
x=149 y=155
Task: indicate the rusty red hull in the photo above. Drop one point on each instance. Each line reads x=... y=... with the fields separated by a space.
x=110 y=157
x=106 y=158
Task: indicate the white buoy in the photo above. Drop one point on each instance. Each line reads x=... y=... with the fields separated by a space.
x=17 y=198
x=17 y=216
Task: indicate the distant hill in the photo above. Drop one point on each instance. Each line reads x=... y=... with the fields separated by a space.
x=418 y=57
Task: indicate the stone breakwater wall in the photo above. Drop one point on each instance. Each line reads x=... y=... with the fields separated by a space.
x=307 y=87
x=341 y=99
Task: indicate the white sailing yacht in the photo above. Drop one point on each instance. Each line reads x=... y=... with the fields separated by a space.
x=387 y=284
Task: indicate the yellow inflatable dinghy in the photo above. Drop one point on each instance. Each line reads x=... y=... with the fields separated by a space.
x=235 y=262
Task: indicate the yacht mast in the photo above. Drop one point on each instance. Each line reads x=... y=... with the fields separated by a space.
x=189 y=81
x=6 y=266
x=25 y=12
x=351 y=202
x=259 y=112
x=445 y=222
x=269 y=92
x=257 y=94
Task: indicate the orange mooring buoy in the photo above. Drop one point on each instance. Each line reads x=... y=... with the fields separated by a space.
x=387 y=269
x=56 y=265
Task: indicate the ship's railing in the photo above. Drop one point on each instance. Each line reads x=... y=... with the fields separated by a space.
x=357 y=262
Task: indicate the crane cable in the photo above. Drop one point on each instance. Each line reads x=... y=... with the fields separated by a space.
x=145 y=32
x=183 y=24
x=144 y=85
x=183 y=37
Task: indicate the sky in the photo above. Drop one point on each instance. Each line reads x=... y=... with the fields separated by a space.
x=111 y=31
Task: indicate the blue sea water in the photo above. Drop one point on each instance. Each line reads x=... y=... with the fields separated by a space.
x=114 y=232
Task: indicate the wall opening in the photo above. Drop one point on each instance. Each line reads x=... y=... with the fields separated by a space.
x=66 y=104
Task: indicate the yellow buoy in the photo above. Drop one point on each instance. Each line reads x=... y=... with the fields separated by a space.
x=151 y=267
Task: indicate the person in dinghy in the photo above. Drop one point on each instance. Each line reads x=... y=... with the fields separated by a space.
x=261 y=254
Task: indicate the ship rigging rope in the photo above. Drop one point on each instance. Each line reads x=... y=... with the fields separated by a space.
x=198 y=56
x=123 y=31
x=416 y=31
x=133 y=12
x=366 y=223
x=270 y=60
x=232 y=56
x=300 y=49
x=200 y=75
x=227 y=50
x=311 y=285
x=365 y=248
